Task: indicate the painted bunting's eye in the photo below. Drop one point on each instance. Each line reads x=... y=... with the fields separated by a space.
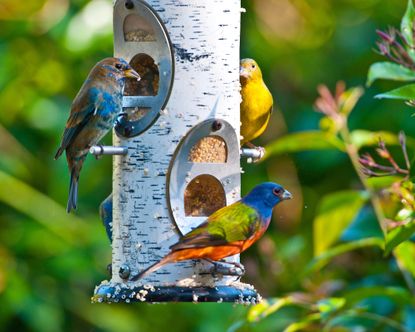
x=118 y=65
x=277 y=191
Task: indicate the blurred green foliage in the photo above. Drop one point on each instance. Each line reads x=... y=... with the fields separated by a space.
x=316 y=273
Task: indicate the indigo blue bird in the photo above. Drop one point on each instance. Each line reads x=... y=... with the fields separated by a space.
x=228 y=231
x=105 y=212
x=93 y=113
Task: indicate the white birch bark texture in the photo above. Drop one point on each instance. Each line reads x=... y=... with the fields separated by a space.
x=205 y=35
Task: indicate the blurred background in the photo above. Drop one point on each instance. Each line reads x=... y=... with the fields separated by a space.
x=50 y=261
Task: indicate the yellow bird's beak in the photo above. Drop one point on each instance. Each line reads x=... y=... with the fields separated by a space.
x=132 y=73
x=243 y=72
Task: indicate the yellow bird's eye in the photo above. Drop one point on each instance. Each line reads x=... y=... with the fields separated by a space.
x=253 y=66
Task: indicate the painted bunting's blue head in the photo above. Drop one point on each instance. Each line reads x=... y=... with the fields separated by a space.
x=265 y=196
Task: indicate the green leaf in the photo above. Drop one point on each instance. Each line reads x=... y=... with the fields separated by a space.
x=361 y=138
x=389 y=71
x=407 y=23
x=335 y=213
x=303 y=324
x=399 y=295
x=321 y=261
x=41 y=208
x=349 y=99
x=303 y=141
x=399 y=235
x=330 y=305
x=406 y=92
x=405 y=254
x=268 y=307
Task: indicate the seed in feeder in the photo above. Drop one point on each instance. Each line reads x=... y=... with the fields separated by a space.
x=135 y=113
x=210 y=149
x=203 y=196
x=139 y=35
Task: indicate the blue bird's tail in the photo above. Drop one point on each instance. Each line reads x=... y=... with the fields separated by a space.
x=73 y=191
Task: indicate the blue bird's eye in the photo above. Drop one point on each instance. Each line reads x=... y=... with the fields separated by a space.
x=118 y=65
x=277 y=191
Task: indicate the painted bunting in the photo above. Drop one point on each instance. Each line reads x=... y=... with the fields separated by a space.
x=228 y=231
x=256 y=105
x=93 y=113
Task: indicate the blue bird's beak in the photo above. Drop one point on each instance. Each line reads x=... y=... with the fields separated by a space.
x=286 y=195
x=132 y=73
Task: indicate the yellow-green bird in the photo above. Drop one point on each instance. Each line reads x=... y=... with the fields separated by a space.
x=256 y=105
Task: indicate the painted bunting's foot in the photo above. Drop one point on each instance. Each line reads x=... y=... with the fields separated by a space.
x=226 y=268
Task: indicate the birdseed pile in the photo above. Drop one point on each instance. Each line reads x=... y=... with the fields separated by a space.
x=203 y=196
x=139 y=36
x=135 y=113
x=211 y=149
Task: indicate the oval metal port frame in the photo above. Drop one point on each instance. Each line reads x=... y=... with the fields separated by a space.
x=162 y=53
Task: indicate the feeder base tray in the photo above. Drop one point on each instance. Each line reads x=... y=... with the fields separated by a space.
x=115 y=293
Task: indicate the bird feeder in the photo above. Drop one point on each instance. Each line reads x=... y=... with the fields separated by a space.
x=180 y=132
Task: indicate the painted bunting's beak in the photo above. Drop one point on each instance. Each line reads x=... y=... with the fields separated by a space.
x=286 y=195
x=132 y=73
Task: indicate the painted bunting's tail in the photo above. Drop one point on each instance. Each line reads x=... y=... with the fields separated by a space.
x=166 y=260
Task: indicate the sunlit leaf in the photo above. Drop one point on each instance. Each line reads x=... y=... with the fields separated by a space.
x=267 y=307
x=407 y=23
x=304 y=141
x=398 y=235
x=397 y=294
x=405 y=254
x=304 y=323
x=41 y=208
x=362 y=138
x=20 y=160
x=330 y=305
x=406 y=92
x=322 y=260
x=334 y=214
x=349 y=99
x=383 y=181
x=389 y=71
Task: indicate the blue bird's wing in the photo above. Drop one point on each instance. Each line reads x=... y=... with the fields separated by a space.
x=83 y=108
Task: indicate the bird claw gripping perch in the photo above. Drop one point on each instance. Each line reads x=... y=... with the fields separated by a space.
x=227 y=268
x=254 y=154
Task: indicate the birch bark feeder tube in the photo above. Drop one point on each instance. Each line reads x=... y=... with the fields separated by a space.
x=183 y=160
